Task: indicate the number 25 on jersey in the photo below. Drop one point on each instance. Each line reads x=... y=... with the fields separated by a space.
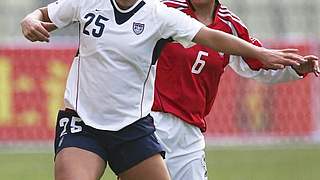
x=99 y=23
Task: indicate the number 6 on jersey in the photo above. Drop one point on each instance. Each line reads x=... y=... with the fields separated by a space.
x=199 y=63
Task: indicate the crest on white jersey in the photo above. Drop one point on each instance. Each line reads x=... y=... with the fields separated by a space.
x=138 y=28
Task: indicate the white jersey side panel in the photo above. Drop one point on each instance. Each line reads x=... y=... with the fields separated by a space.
x=265 y=76
x=111 y=84
x=70 y=97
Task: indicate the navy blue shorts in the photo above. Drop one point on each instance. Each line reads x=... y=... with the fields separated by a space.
x=121 y=149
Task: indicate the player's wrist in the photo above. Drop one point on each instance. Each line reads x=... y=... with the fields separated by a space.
x=300 y=72
x=262 y=54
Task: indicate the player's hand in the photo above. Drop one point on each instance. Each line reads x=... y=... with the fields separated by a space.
x=278 y=59
x=312 y=65
x=35 y=30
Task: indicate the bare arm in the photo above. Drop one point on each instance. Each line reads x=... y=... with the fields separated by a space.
x=37 y=25
x=223 y=42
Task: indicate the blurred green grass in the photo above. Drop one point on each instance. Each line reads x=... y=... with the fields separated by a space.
x=293 y=163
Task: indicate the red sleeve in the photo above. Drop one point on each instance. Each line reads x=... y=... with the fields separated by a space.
x=241 y=31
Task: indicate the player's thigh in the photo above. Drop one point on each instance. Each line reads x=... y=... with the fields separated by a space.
x=74 y=163
x=78 y=153
x=152 y=168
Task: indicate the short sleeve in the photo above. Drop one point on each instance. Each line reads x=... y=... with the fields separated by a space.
x=64 y=12
x=181 y=27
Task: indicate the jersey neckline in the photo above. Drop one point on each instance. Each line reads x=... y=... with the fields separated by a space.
x=115 y=5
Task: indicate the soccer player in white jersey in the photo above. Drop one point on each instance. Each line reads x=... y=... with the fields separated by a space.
x=187 y=82
x=109 y=91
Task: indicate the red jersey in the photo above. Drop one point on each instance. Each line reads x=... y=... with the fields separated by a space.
x=187 y=80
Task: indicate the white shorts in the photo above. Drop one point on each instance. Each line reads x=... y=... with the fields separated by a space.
x=184 y=145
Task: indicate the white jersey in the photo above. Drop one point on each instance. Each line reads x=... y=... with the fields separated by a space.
x=111 y=82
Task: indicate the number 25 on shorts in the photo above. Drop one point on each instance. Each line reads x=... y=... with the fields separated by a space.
x=73 y=127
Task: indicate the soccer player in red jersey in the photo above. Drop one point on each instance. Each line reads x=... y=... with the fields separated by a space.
x=187 y=82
